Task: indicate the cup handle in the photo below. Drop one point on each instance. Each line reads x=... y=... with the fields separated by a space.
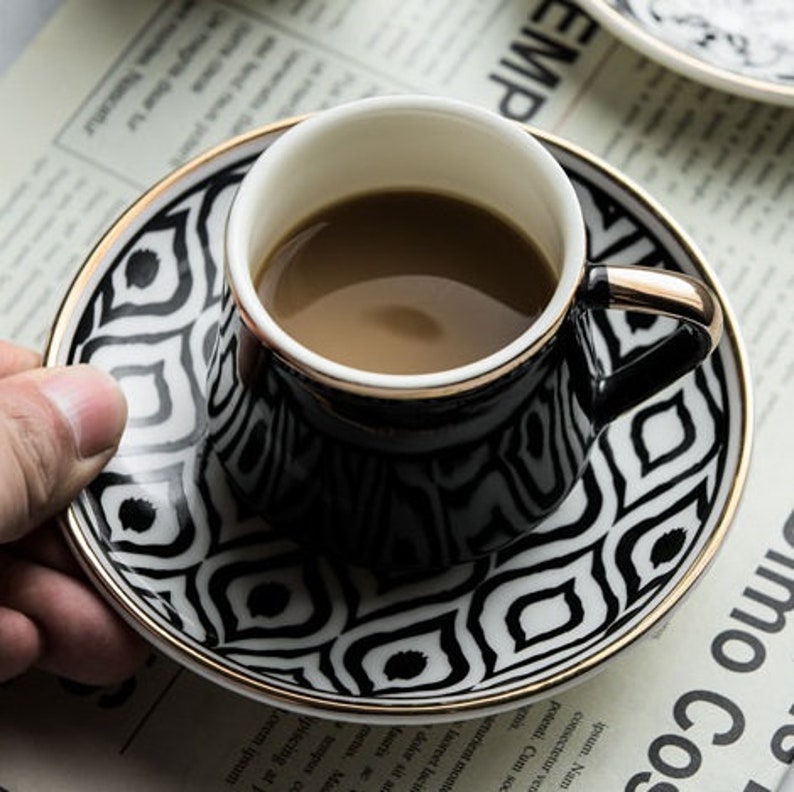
x=655 y=292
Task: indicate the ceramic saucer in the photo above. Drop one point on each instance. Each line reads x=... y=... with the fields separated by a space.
x=164 y=539
x=741 y=46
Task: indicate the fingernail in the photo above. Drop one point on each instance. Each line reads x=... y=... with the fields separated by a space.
x=92 y=404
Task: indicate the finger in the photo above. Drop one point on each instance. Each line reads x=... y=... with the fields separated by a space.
x=58 y=429
x=14 y=359
x=20 y=643
x=46 y=546
x=79 y=637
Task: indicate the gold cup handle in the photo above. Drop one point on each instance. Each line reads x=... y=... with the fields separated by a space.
x=656 y=292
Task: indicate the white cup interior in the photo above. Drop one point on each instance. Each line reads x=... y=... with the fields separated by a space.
x=404 y=142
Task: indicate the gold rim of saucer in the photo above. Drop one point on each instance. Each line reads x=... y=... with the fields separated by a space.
x=370 y=710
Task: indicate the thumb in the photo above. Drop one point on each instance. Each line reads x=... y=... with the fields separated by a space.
x=58 y=429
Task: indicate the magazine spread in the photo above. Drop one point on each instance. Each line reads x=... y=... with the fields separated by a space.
x=110 y=97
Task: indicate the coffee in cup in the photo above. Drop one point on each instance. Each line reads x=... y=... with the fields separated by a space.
x=405 y=282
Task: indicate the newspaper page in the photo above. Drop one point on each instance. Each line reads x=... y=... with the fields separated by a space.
x=111 y=96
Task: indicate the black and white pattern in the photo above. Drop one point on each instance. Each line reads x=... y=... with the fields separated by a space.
x=741 y=45
x=219 y=591
x=754 y=37
x=405 y=486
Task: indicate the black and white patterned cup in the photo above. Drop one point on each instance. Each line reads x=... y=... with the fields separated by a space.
x=422 y=471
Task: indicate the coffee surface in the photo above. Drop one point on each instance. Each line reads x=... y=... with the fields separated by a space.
x=405 y=283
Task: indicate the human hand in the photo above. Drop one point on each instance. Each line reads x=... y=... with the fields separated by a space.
x=58 y=429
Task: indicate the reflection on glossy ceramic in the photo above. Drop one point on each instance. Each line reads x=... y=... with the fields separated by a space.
x=163 y=536
x=742 y=45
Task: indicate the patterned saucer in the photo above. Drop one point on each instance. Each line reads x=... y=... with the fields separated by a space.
x=164 y=539
x=741 y=46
